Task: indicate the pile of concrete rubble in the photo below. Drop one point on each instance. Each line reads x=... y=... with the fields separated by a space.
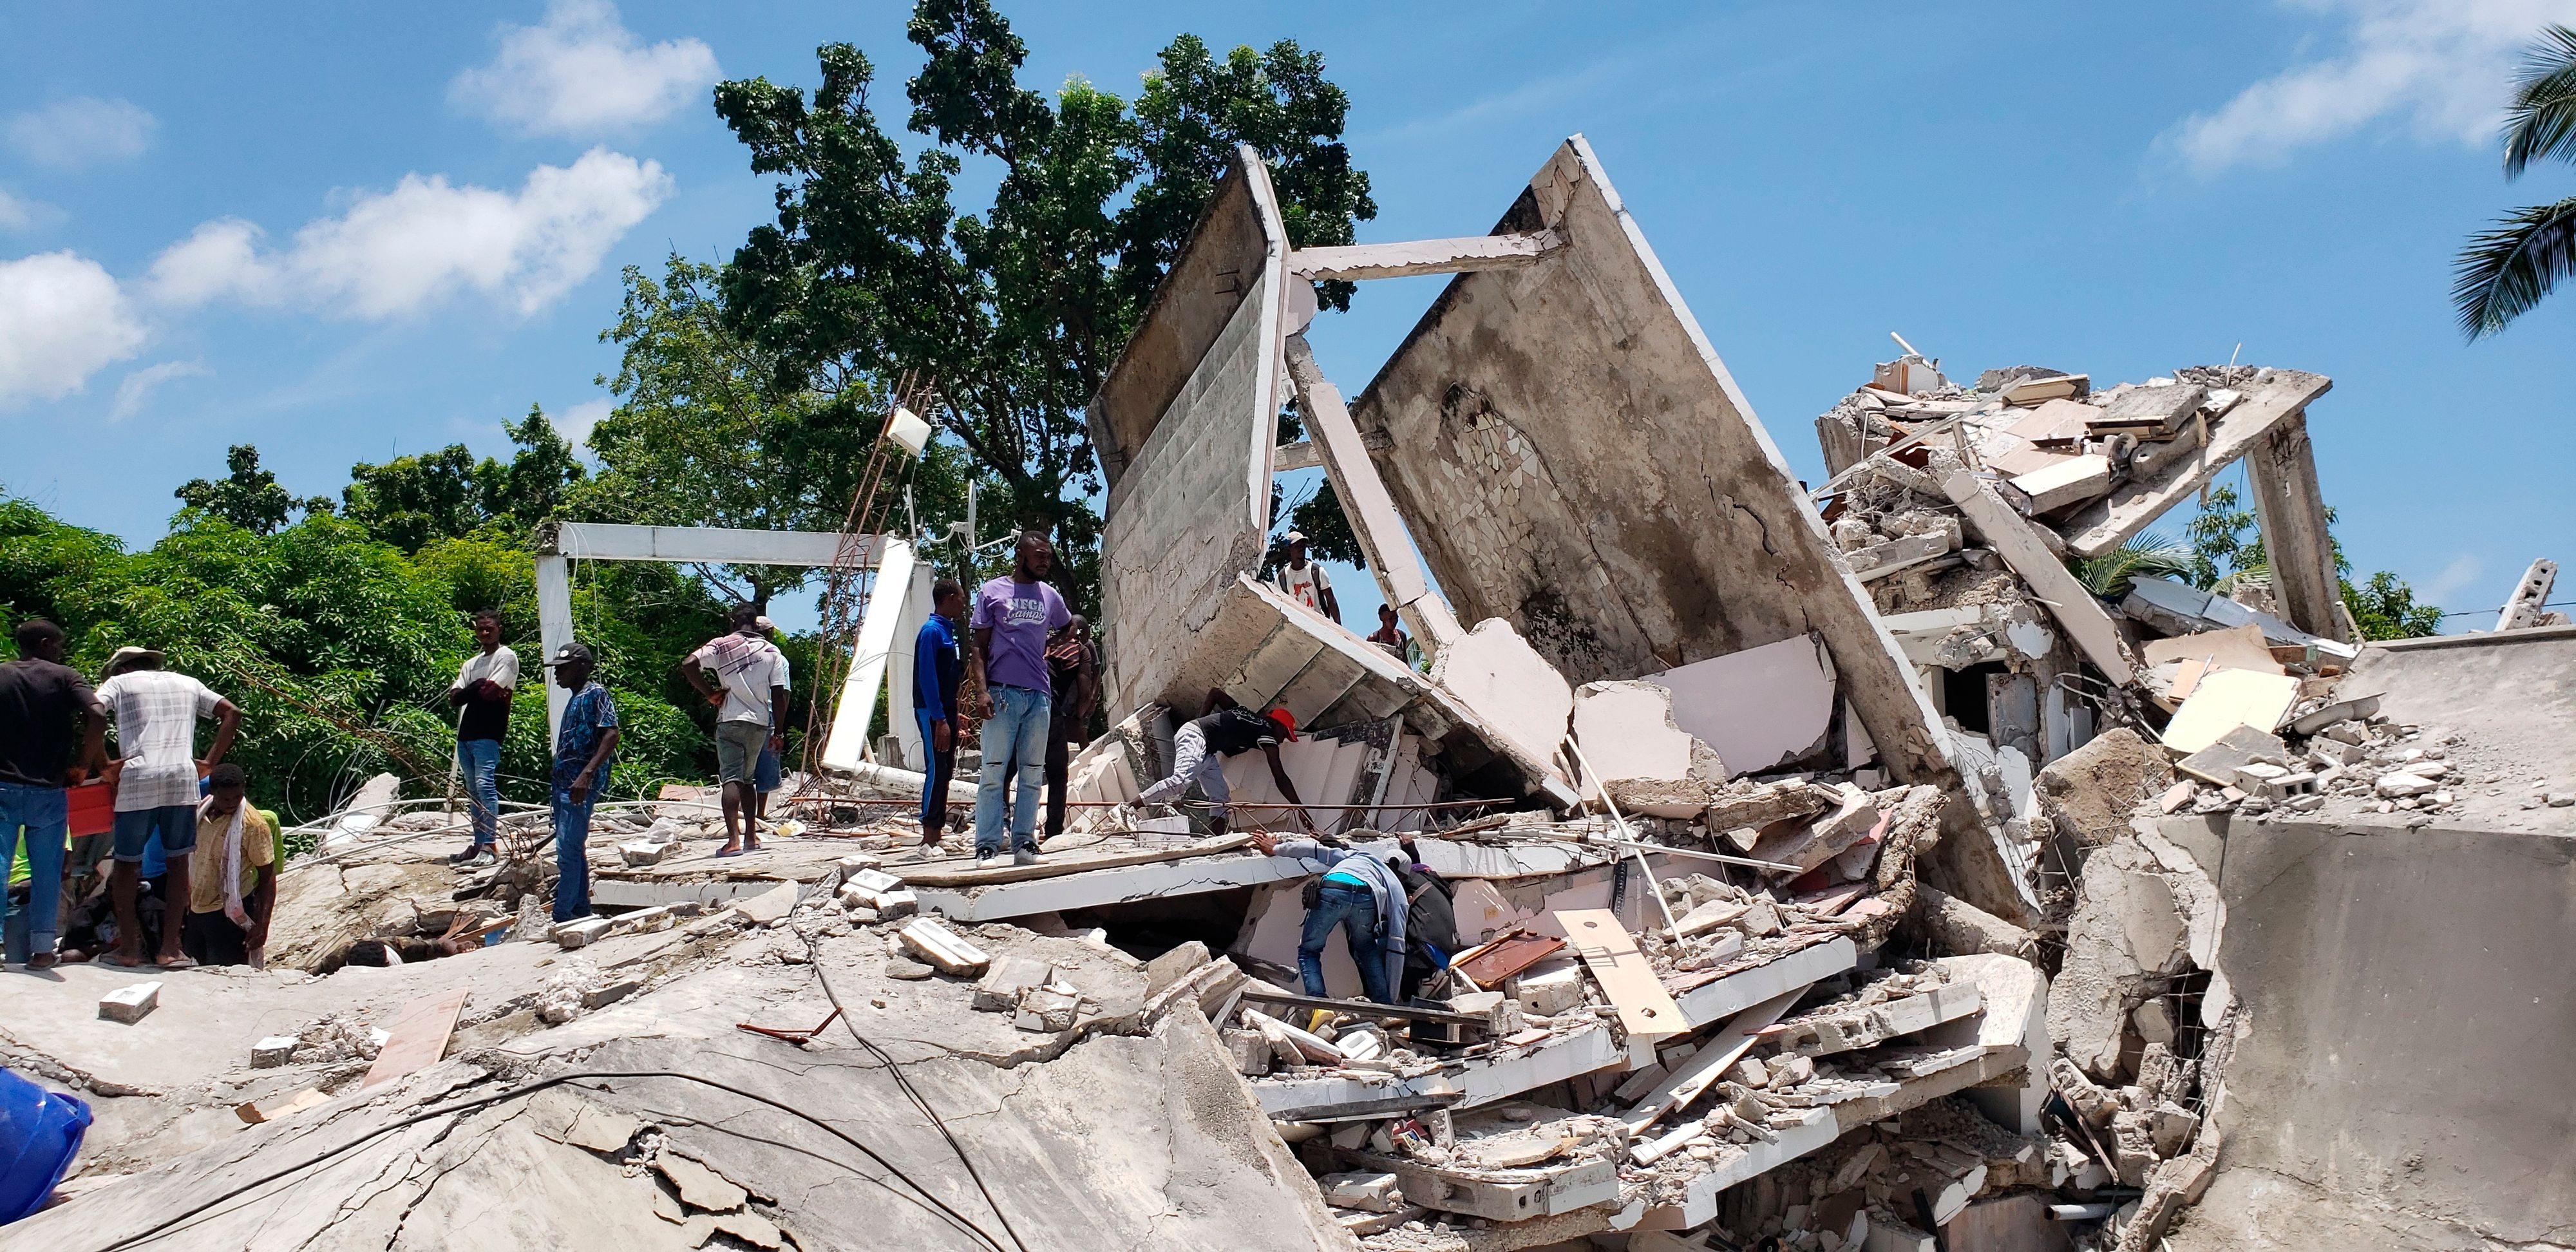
x=1833 y=868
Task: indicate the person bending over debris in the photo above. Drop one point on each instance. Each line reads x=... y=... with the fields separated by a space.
x=1200 y=746
x=46 y=708
x=1430 y=923
x=749 y=690
x=481 y=697
x=1357 y=893
x=156 y=715
x=936 y=671
x=1073 y=667
x=583 y=747
x=1014 y=617
x=232 y=883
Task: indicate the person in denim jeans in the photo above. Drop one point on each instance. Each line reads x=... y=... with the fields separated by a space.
x=156 y=713
x=46 y=707
x=584 y=745
x=481 y=695
x=1014 y=618
x=1359 y=894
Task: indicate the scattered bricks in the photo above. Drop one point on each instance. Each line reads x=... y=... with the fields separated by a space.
x=2090 y=1102
x=1251 y=1052
x=130 y=1004
x=1376 y=1193
x=933 y=942
x=2176 y=796
x=602 y=997
x=1793 y=1071
x=642 y=854
x=1000 y=990
x=1750 y=1072
x=2133 y=1147
x=273 y=1051
x=892 y=904
x=850 y=865
x=581 y=932
x=1502 y=1014
x=873 y=880
x=1048 y=1009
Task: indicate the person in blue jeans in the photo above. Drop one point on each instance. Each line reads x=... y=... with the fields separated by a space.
x=584 y=746
x=937 y=668
x=1360 y=895
x=1015 y=616
x=46 y=708
x=481 y=697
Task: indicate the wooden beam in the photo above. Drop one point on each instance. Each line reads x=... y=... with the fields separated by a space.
x=1425 y=256
x=2020 y=546
x=2117 y=518
x=1646 y=1010
x=2291 y=513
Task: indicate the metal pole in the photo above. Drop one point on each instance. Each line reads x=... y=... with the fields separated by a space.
x=1652 y=886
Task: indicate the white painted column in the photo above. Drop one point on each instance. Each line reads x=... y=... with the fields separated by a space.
x=554 y=630
x=853 y=717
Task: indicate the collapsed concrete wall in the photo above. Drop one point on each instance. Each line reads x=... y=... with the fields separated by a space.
x=1595 y=477
x=1183 y=428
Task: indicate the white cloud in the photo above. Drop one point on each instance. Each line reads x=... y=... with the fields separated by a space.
x=136 y=389
x=62 y=319
x=82 y=130
x=17 y=214
x=576 y=423
x=583 y=73
x=395 y=252
x=2443 y=68
x=2454 y=579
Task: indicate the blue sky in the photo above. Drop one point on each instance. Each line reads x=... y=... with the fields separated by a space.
x=339 y=232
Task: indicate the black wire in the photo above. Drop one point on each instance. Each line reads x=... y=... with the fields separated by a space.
x=2554 y=604
x=942 y=1208
x=814 y=961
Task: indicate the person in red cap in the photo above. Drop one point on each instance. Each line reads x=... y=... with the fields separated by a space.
x=1201 y=745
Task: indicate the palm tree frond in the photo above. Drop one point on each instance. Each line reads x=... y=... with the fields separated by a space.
x=2541 y=121
x=2506 y=270
x=2150 y=554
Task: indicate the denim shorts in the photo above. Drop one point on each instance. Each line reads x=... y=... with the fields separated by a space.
x=175 y=823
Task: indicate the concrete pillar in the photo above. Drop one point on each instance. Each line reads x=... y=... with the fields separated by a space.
x=554 y=630
x=1366 y=502
x=2292 y=513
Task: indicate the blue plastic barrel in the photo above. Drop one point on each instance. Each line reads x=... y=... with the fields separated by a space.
x=40 y=1133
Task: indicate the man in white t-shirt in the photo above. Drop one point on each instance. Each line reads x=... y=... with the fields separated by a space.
x=748 y=686
x=1304 y=580
x=156 y=713
x=481 y=696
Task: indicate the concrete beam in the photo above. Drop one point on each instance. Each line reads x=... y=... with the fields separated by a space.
x=2291 y=513
x=898 y=605
x=1095 y=888
x=1365 y=501
x=1425 y=256
x=1714 y=1002
x=708 y=545
x=554 y=630
x=1697 y=1204
x=2117 y=518
x=1295 y=456
x=1476 y=1080
x=2068 y=599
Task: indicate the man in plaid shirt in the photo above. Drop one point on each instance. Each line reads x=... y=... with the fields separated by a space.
x=156 y=714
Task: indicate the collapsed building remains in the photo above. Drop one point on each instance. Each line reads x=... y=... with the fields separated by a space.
x=1832 y=869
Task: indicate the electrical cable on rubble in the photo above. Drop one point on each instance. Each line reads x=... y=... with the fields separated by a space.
x=936 y=1206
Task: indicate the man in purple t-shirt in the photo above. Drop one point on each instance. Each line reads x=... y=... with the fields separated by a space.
x=1013 y=619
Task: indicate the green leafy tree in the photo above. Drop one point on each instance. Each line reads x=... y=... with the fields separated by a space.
x=2152 y=555
x=871 y=275
x=2507 y=269
x=2226 y=542
x=412 y=500
x=247 y=496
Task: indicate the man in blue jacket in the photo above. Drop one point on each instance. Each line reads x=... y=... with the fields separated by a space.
x=937 y=667
x=1360 y=895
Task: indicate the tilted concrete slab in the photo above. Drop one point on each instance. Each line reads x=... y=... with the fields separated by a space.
x=1585 y=468
x=1184 y=427
x=1714 y=1002
x=1484 y=1079
x=2274 y=396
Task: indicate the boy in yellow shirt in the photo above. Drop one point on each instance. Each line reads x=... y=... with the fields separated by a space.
x=232 y=876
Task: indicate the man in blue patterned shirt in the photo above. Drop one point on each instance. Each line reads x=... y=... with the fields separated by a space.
x=583 y=747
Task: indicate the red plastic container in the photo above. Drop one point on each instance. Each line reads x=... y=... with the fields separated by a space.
x=93 y=808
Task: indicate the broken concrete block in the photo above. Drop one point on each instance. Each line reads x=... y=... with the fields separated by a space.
x=2133 y=1147
x=1045 y=1010
x=1548 y=992
x=1828 y=837
x=1521 y=698
x=1882 y=559
x=903 y=969
x=1249 y=1051
x=2153 y=412
x=130 y=1004
x=897 y=902
x=2401 y=784
x=876 y=881
x=2170 y=1127
x=933 y=942
x=850 y=865
x=1760 y=806
x=602 y=997
x=1627 y=731
x=645 y=921
x=2219 y=763
x=999 y=992
x=700 y=1188
x=272 y=1051
x=1376 y=1193
x=1171 y=966
x=2071 y=481
x=769 y=906
x=581 y=932
x=641 y=854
